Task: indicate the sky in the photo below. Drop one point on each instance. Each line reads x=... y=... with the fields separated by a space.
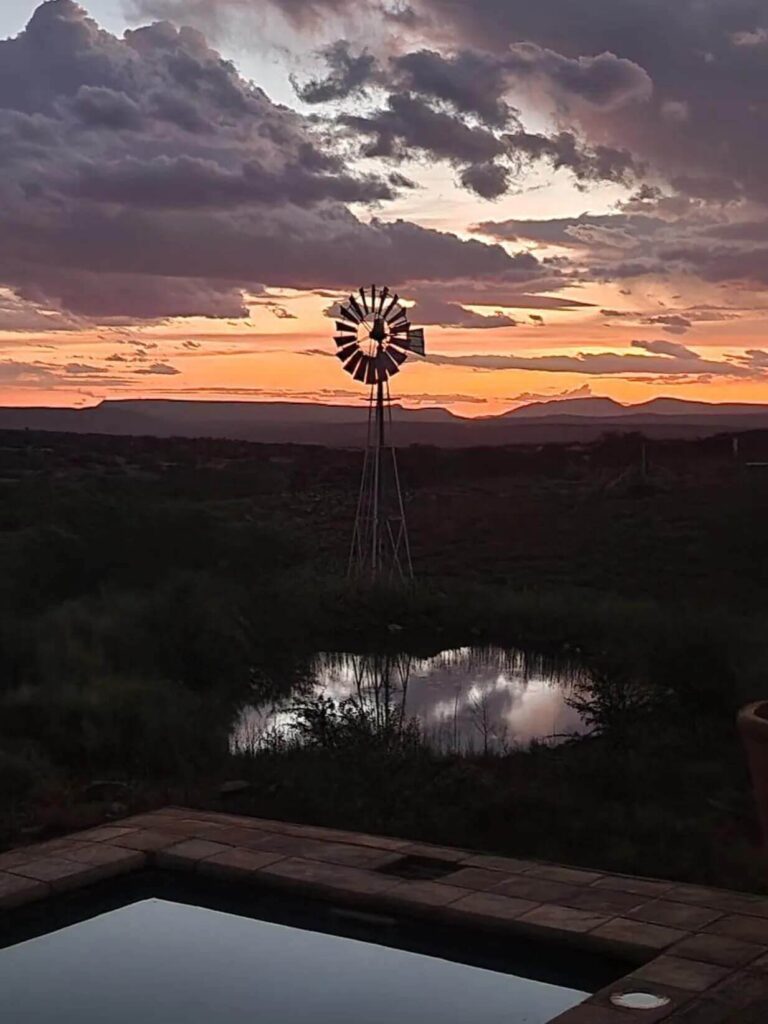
x=571 y=197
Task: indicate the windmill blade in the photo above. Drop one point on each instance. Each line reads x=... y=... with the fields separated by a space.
x=354 y=364
x=372 y=376
x=348 y=314
x=373 y=298
x=346 y=328
x=361 y=373
x=356 y=306
x=417 y=342
x=364 y=301
x=398 y=317
x=395 y=353
x=346 y=351
x=390 y=307
x=384 y=295
x=386 y=365
x=403 y=328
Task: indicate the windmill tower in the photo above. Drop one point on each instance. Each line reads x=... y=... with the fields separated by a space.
x=373 y=340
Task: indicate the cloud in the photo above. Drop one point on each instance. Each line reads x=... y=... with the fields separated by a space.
x=454 y=108
x=433 y=311
x=158 y=370
x=666 y=348
x=143 y=178
x=668 y=359
x=529 y=397
x=348 y=74
x=409 y=125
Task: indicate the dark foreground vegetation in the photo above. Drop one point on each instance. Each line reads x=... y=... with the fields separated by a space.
x=150 y=588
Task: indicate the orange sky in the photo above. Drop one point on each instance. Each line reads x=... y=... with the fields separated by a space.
x=284 y=349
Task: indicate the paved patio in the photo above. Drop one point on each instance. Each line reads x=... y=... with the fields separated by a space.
x=706 y=950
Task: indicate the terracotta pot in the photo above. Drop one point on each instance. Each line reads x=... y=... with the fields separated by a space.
x=753 y=726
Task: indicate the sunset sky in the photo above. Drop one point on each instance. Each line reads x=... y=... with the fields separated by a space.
x=572 y=193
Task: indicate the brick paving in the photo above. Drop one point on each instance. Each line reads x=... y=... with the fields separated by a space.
x=705 y=951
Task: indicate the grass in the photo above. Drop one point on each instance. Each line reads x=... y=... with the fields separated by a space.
x=148 y=591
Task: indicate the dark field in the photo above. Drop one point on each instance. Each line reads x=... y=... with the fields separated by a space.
x=151 y=587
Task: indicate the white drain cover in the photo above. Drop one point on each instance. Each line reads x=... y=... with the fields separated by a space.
x=639 y=1000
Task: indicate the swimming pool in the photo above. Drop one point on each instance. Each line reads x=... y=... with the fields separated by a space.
x=172 y=953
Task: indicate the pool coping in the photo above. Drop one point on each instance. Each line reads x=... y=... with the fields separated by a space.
x=703 y=949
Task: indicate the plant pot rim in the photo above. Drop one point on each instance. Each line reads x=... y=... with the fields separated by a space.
x=753 y=721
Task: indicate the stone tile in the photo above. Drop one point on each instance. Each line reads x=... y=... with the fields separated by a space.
x=475 y=878
x=105 y=834
x=16 y=891
x=146 y=840
x=755 y=1013
x=188 y=852
x=720 y=899
x=689 y=975
x=289 y=846
x=102 y=855
x=192 y=829
x=604 y=901
x=237 y=863
x=703 y=1011
x=568 y=876
x=240 y=836
x=649 y=887
x=491 y=907
x=564 y=919
x=19 y=856
x=443 y=853
x=155 y=819
x=353 y=856
x=717 y=949
x=59 y=874
x=431 y=894
x=739 y=926
x=588 y=1013
x=333 y=877
x=675 y=915
x=512 y=865
x=353 y=838
x=537 y=889
x=56 y=848
x=625 y=932
x=742 y=989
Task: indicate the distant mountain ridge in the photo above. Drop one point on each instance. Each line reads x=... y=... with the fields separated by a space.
x=565 y=420
x=599 y=407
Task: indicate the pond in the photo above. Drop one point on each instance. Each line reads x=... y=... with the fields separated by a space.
x=465 y=700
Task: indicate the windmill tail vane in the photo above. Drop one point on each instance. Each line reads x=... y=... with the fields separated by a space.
x=374 y=338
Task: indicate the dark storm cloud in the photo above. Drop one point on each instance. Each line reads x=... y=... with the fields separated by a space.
x=705 y=124
x=348 y=74
x=454 y=108
x=184 y=182
x=674 y=92
x=144 y=178
x=408 y=125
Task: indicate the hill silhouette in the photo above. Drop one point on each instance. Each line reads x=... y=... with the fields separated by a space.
x=562 y=421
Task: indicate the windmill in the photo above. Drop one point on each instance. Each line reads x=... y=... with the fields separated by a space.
x=373 y=340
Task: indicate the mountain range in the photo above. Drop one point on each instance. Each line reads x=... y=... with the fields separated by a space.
x=566 y=420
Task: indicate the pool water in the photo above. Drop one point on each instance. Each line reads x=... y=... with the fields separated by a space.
x=161 y=962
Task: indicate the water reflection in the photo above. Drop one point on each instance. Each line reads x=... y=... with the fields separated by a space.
x=465 y=700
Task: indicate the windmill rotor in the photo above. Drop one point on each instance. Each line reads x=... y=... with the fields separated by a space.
x=374 y=336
